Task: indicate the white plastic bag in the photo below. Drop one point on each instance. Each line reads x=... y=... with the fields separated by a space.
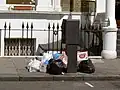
x=65 y=58
x=43 y=68
x=46 y=56
x=34 y=65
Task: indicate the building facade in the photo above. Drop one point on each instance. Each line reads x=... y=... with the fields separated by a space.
x=41 y=12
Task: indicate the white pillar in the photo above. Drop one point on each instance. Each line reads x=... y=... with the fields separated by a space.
x=110 y=32
x=3 y=5
x=57 y=5
x=44 y=5
x=2 y=43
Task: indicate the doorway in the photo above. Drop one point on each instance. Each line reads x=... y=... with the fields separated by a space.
x=117 y=13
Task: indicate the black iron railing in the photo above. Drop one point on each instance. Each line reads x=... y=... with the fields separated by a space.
x=90 y=39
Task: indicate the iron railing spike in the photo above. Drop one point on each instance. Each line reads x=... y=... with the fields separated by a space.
x=57 y=26
x=23 y=25
x=49 y=26
x=27 y=25
x=5 y=26
x=81 y=27
x=9 y=25
x=53 y=25
x=31 y=25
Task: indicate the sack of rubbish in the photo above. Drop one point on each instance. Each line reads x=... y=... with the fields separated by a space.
x=43 y=66
x=64 y=58
x=39 y=64
x=34 y=65
x=86 y=66
x=56 y=66
x=47 y=56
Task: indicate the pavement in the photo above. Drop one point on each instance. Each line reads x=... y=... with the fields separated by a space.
x=13 y=69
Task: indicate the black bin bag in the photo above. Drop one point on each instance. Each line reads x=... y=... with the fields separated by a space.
x=86 y=66
x=55 y=67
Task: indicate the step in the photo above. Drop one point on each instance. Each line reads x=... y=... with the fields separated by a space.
x=95 y=57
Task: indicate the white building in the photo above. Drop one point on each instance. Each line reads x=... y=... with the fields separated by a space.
x=42 y=12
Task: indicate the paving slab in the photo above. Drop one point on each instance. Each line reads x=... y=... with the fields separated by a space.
x=7 y=66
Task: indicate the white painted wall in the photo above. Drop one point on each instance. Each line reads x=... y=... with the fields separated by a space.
x=100 y=6
x=3 y=5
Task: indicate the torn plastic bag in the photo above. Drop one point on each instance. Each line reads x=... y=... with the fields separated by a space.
x=43 y=68
x=34 y=65
x=46 y=57
x=64 y=58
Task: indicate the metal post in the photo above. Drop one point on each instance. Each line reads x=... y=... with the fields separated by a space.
x=49 y=37
x=53 y=37
x=5 y=40
x=71 y=9
x=71 y=5
x=22 y=37
x=72 y=32
x=27 y=38
x=57 y=36
x=32 y=41
x=9 y=40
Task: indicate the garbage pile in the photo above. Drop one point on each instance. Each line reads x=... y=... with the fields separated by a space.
x=56 y=63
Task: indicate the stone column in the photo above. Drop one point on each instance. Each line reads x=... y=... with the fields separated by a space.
x=44 y=5
x=2 y=42
x=3 y=5
x=57 y=6
x=110 y=32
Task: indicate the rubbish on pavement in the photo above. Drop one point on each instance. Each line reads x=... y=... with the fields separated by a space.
x=54 y=62
x=43 y=68
x=56 y=67
x=46 y=56
x=34 y=65
x=57 y=56
x=86 y=66
x=64 y=58
x=82 y=55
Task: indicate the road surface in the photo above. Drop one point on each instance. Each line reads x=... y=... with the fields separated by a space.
x=61 y=85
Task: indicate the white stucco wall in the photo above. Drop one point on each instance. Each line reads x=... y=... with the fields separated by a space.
x=39 y=23
x=100 y=6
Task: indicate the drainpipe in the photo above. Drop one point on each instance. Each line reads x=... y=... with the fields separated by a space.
x=110 y=32
x=71 y=9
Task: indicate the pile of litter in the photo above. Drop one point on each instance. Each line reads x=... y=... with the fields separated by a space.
x=54 y=62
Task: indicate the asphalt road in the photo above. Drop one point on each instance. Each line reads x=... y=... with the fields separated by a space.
x=61 y=85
